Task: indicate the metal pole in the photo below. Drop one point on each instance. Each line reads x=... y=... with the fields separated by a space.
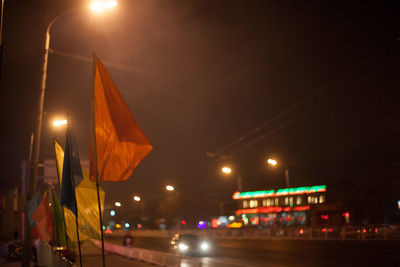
x=239 y=183
x=94 y=147
x=287 y=177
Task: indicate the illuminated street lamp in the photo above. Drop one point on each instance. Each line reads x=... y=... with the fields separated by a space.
x=58 y=123
x=136 y=198
x=169 y=188
x=35 y=159
x=99 y=6
x=228 y=170
x=117 y=204
x=274 y=163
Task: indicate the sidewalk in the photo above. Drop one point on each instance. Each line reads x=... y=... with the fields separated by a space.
x=91 y=257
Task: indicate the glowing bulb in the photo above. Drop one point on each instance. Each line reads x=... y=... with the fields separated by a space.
x=226 y=170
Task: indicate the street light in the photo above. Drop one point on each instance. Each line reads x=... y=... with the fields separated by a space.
x=35 y=158
x=228 y=170
x=274 y=163
x=117 y=204
x=169 y=188
x=57 y=123
x=99 y=6
x=136 y=198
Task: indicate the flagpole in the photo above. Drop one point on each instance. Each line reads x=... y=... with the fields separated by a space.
x=94 y=153
x=62 y=206
x=73 y=186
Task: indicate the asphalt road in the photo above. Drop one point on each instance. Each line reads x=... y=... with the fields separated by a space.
x=292 y=252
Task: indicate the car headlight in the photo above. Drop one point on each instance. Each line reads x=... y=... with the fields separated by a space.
x=183 y=247
x=205 y=246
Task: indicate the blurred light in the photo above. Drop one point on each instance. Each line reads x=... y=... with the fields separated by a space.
x=323 y=230
x=139 y=226
x=301 y=231
x=201 y=224
x=59 y=122
x=169 y=188
x=205 y=246
x=226 y=170
x=127 y=225
x=183 y=247
x=231 y=218
x=99 y=6
x=108 y=231
x=118 y=204
x=118 y=226
x=214 y=223
x=183 y=222
x=235 y=225
x=112 y=212
x=103 y=227
x=272 y=162
x=364 y=230
x=398 y=204
x=136 y=198
x=324 y=217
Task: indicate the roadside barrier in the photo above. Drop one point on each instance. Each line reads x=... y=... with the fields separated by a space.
x=391 y=232
x=165 y=259
x=46 y=256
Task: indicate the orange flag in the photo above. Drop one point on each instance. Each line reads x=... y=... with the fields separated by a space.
x=43 y=219
x=120 y=142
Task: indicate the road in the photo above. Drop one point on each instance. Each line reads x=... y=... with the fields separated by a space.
x=291 y=252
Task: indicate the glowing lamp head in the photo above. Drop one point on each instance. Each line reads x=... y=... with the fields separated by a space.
x=117 y=204
x=170 y=188
x=136 y=198
x=226 y=170
x=272 y=162
x=98 y=6
x=57 y=123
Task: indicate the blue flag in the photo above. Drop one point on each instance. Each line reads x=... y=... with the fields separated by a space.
x=71 y=173
x=31 y=206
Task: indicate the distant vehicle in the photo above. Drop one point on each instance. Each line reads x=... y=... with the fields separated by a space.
x=189 y=244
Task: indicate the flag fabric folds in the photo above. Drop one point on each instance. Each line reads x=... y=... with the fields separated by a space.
x=31 y=206
x=86 y=196
x=43 y=219
x=68 y=197
x=120 y=142
x=58 y=221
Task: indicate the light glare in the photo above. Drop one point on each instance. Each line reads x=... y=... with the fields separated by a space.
x=100 y=5
x=60 y=122
x=118 y=204
x=169 y=188
x=226 y=170
x=272 y=162
x=136 y=198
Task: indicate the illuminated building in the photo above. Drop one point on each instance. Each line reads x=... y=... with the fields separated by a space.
x=281 y=207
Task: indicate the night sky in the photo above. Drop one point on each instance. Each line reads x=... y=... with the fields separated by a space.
x=311 y=83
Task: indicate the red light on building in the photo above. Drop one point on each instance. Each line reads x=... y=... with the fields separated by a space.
x=183 y=222
x=323 y=230
x=324 y=217
x=346 y=214
x=301 y=231
x=139 y=226
x=376 y=230
x=330 y=229
x=364 y=230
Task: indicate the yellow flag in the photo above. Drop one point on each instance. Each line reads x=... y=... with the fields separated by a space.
x=86 y=198
x=120 y=142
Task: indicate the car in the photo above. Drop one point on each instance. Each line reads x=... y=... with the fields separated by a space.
x=189 y=244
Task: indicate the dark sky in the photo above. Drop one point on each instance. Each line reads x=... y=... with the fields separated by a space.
x=198 y=75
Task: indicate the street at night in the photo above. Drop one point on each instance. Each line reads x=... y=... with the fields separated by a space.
x=290 y=252
x=199 y=133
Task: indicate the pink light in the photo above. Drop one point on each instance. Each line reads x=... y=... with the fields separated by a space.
x=301 y=231
x=323 y=230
